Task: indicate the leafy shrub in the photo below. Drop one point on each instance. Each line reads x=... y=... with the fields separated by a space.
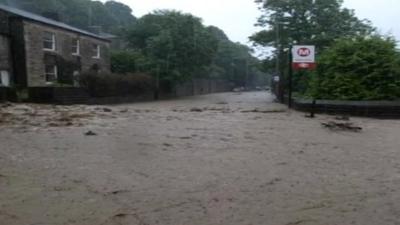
x=123 y=62
x=107 y=85
x=358 y=69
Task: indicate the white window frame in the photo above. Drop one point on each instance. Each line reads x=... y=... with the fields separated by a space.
x=55 y=73
x=53 y=41
x=77 y=47
x=97 y=50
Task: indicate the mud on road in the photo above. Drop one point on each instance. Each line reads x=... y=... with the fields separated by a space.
x=223 y=159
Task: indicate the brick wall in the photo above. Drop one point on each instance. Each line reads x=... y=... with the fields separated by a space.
x=36 y=56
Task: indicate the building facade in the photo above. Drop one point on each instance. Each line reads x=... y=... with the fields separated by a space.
x=38 y=52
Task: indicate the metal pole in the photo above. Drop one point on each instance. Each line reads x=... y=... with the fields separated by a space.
x=290 y=77
x=277 y=46
x=279 y=92
x=247 y=73
x=157 y=91
x=312 y=114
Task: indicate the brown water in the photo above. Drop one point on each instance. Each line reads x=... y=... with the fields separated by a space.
x=223 y=159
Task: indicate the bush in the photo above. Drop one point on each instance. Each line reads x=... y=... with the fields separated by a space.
x=123 y=62
x=108 y=85
x=358 y=69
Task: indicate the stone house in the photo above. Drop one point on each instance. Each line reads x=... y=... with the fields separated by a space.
x=37 y=52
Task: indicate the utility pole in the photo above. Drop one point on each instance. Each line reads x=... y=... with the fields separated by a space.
x=157 y=91
x=290 y=77
x=277 y=46
x=280 y=85
x=247 y=72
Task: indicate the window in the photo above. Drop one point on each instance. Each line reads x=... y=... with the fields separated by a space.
x=49 y=41
x=51 y=73
x=75 y=47
x=96 y=51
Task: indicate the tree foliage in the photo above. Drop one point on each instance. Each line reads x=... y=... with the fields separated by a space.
x=359 y=69
x=123 y=62
x=234 y=62
x=316 y=22
x=175 y=45
x=112 y=16
x=319 y=22
x=355 y=63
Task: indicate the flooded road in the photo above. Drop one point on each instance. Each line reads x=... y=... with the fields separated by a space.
x=221 y=159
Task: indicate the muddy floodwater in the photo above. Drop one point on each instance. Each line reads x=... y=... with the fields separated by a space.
x=221 y=159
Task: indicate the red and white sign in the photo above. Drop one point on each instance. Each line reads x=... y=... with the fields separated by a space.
x=303 y=57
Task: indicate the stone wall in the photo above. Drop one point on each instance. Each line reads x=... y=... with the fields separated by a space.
x=5 y=57
x=202 y=86
x=5 y=44
x=4 y=23
x=62 y=56
x=3 y=94
x=18 y=52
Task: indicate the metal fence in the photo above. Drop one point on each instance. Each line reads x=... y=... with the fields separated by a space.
x=377 y=109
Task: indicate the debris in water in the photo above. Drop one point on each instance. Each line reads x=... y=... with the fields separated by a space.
x=124 y=111
x=120 y=215
x=90 y=133
x=167 y=145
x=185 y=138
x=264 y=111
x=344 y=118
x=342 y=126
x=5 y=105
x=116 y=192
x=107 y=110
x=309 y=116
x=196 y=110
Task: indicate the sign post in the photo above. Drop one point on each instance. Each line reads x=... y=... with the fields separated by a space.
x=290 y=77
x=301 y=57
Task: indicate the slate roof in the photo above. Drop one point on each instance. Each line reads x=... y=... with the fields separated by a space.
x=41 y=19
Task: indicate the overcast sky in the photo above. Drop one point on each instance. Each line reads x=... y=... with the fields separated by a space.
x=237 y=17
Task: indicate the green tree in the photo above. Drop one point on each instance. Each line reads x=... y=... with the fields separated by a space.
x=176 y=45
x=317 y=22
x=359 y=69
x=121 y=13
x=111 y=16
x=234 y=62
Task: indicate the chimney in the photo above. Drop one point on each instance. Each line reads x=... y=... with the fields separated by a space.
x=52 y=15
